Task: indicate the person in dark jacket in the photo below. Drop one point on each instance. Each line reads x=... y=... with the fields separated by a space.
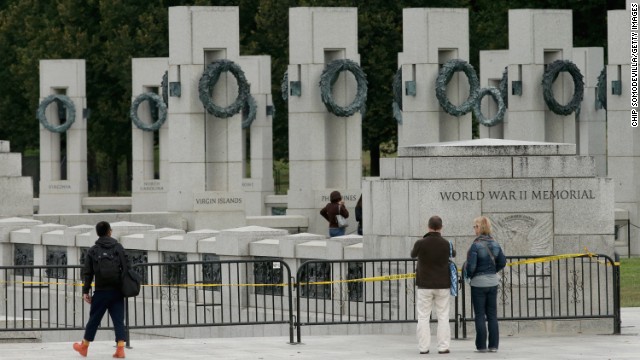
x=484 y=260
x=329 y=212
x=434 y=282
x=359 y=215
x=105 y=254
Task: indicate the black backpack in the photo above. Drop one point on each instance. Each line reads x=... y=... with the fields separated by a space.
x=107 y=265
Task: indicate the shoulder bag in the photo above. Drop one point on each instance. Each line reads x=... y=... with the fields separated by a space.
x=131 y=280
x=453 y=272
x=342 y=222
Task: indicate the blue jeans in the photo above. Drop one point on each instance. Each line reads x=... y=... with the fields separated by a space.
x=336 y=232
x=101 y=301
x=485 y=308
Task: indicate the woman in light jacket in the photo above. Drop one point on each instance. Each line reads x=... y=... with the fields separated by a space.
x=484 y=259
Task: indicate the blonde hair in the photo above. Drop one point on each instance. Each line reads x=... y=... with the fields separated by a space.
x=484 y=225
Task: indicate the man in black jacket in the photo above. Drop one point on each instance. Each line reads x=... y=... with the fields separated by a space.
x=103 y=262
x=433 y=282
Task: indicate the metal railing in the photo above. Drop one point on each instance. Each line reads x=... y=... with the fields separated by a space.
x=555 y=288
x=215 y=293
x=260 y=291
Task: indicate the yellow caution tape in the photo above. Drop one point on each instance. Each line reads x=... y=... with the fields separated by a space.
x=393 y=277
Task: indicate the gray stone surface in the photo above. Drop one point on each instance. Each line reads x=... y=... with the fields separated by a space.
x=488 y=147
x=515 y=195
x=588 y=344
x=553 y=166
x=593 y=214
x=462 y=167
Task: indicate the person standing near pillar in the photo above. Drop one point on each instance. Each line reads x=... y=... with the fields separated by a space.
x=103 y=263
x=332 y=210
x=484 y=260
x=434 y=283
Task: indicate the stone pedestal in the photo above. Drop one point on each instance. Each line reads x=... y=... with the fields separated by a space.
x=432 y=37
x=623 y=145
x=207 y=157
x=541 y=197
x=150 y=149
x=63 y=170
x=492 y=66
x=591 y=121
x=16 y=191
x=537 y=38
x=325 y=151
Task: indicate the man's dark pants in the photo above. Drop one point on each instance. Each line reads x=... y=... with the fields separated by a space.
x=102 y=301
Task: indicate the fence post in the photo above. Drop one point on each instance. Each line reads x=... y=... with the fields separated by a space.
x=126 y=324
x=616 y=295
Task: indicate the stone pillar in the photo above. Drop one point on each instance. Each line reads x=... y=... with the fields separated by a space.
x=432 y=37
x=63 y=157
x=623 y=145
x=537 y=38
x=257 y=182
x=150 y=180
x=492 y=65
x=206 y=163
x=16 y=191
x=325 y=151
x=591 y=121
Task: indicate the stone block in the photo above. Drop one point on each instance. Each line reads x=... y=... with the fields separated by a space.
x=22 y=236
x=70 y=233
x=218 y=219
x=567 y=244
x=7 y=225
x=320 y=249
x=419 y=128
x=560 y=129
x=258 y=72
x=207 y=246
x=4 y=146
x=621 y=102
x=553 y=166
x=515 y=195
x=56 y=238
x=525 y=125
x=425 y=76
x=354 y=251
x=625 y=172
x=492 y=64
x=175 y=243
x=180 y=35
x=138 y=242
x=16 y=196
x=436 y=198
x=589 y=212
x=38 y=231
x=523 y=234
x=273 y=248
x=186 y=178
x=590 y=61
x=310 y=100
x=68 y=74
x=486 y=147
x=214 y=27
x=314 y=30
x=426 y=31
x=462 y=168
x=454 y=128
x=11 y=164
x=622 y=139
x=532 y=32
x=189 y=130
x=235 y=242
x=598 y=244
x=618 y=37
x=531 y=98
x=147 y=73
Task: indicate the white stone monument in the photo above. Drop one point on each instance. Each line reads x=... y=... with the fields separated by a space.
x=63 y=156
x=431 y=37
x=257 y=182
x=150 y=169
x=623 y=145
x=591 y=121
x=325 y=150
x=492 y=66
x=207 y=161
x=537 y=38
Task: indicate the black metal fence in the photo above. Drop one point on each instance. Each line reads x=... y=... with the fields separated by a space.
x=260 y=291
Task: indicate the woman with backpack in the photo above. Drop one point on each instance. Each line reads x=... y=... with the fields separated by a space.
x=332 y=210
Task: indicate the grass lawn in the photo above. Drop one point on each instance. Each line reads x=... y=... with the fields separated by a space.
x=630 y=282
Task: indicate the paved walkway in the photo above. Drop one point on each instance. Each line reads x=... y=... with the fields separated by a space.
x=625 y=346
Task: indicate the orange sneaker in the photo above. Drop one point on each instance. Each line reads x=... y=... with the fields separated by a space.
x=81 y=348
x=119 y=352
